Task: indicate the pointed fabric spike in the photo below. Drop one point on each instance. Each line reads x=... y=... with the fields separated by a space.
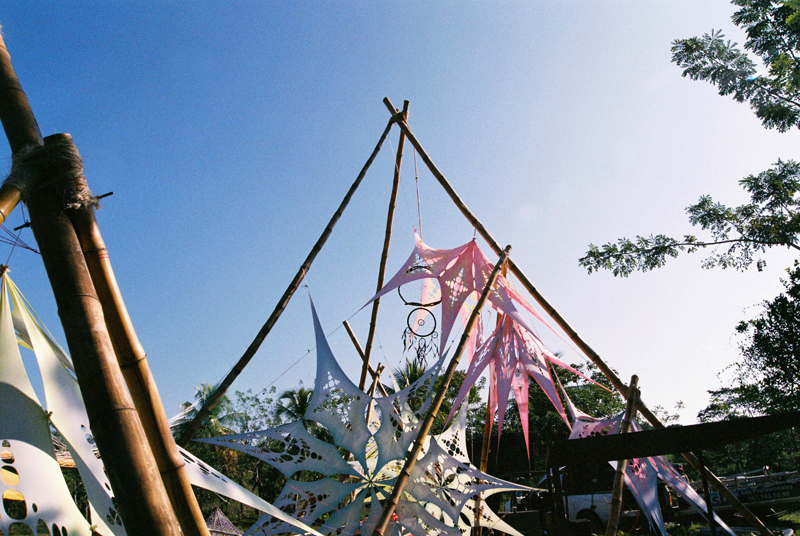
x=640 y=477
x=460 y=272
x=312 y=499
x=574 y=413
x=669 y=475
x=288 y=448
x=520 y=386
x=30 y=472
x=454 y=438
x=204 y=476
x=489 y=519
x=337 y=403
x=68 y=414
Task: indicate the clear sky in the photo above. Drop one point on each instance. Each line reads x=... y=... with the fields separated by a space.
x=229 y=132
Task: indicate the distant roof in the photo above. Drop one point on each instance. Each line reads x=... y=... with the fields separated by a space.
x=219 y=525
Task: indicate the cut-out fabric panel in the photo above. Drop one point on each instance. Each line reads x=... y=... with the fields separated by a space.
x=40 y=492
x=67 y=412
x=203 y=476
x=349 y=496
x=28 y=434
x=512 y=355
x=460 y=272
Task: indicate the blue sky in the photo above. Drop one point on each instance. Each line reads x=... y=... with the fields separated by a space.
x=229 y=132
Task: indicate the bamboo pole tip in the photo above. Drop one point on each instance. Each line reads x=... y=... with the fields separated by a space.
x=3 y=269
x=55 y=138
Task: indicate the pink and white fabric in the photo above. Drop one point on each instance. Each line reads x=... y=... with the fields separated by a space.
x=512 y=356
x=460 y=272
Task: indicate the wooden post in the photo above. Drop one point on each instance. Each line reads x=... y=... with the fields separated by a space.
x=115 y=424
x=19 y=124
x=709 y=509
x=427 y=422
x=133 y=363
x=622 y=465
x=190 y=429
x=373 y=321
x=562 y=323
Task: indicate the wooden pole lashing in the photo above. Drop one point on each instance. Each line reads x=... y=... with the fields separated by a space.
x=562 y=323
x=436 y=403
x=191 y=428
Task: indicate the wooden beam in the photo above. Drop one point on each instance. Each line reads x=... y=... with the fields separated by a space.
x=672 y=440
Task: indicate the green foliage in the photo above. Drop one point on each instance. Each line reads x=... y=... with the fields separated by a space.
x=771 y=351
x=770 y=219
x=773 y=36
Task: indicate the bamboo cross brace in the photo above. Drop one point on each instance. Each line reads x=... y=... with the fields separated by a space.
x=622 y=465
x=425 y=427
x=219 y=392
x=562 y=323
x=375 y=375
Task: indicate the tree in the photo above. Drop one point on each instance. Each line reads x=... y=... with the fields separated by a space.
x=770 y=362
x=771 y=218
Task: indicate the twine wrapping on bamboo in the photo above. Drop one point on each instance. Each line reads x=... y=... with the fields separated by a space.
x=60 y=162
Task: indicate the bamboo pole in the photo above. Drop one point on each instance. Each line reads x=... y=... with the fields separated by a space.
x=115 y=424
x=486 y=440
x=373 y=322
x=190 y=429
x=425 y=427
x=562 y=323
x=19 y=124
x=375 y=374
x=622 y=465
x=113 y=419
x=138 y=377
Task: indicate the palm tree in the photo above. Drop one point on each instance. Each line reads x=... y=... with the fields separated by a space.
x=293 y=404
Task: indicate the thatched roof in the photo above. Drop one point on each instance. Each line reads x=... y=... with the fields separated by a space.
x=219 y=525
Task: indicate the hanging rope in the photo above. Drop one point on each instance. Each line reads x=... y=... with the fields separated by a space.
x=14 y=239
x=419 y=206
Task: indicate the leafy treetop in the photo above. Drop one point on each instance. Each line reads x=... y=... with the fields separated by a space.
x=738 y=234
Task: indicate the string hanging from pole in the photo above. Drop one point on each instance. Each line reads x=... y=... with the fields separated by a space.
x=14 y=240
x=419 y=205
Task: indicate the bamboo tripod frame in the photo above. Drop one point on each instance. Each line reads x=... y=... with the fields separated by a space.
x=562 y=323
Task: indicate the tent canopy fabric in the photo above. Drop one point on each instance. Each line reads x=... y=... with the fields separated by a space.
x=219 y=525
